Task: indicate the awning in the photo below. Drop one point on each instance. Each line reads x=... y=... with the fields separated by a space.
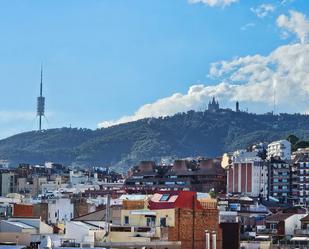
x=143 y=212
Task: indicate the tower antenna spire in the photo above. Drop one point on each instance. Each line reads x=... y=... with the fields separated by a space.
x=41 y=85
x=274 y=95
x=41 y=102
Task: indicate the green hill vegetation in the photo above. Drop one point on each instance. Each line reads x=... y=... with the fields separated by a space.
x=182 y=135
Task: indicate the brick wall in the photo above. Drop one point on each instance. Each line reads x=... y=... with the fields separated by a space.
x=81 y=207
x=41 y=210
x=186 y=228
x=22 y=210
x=131 y=205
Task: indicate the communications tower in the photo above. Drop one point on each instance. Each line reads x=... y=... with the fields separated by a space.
x=41 y=103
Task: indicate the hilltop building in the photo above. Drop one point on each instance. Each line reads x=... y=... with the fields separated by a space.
x=213 y=106
x=237 y=106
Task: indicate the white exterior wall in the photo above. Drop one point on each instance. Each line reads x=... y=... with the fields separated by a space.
x=259 y=177
x=292 y=223
x=256 y=181
x=74 y=231
x=78 y=178
x=259 y=181
x=280 y=148
x=60 y=210
x=81 y=233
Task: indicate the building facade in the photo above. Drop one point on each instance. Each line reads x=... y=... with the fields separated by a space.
x=279 y=180
x=247 y=175
x=200 y=175
x=213 y=106
x=7 y=183
x=280 y=149
x=60 y=210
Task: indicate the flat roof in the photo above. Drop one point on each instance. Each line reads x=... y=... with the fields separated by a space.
x=133 y=197
x=86 y=225
x=300 y=239
x=19 y=224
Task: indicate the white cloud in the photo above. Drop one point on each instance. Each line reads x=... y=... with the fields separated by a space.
x=13 y=116
x=295 y=23
x=248 y=79
x=247 y=26
x=263 y=10
x=284 y=2
x=214 y=3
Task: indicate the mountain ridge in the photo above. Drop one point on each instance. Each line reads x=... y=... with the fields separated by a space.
x=193 y=133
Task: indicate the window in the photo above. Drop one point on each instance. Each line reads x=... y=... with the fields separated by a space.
x=55 y=214
x=273 y=226
x=163 y=222
x=137 y=177
x=126 y=220
x=150 y=221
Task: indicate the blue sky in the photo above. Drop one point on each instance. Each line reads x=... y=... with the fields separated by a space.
x=106 y=59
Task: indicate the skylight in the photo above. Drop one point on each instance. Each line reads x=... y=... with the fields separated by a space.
x=164 y=197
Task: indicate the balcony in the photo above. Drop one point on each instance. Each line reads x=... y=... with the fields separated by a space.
x=301 y=231
x=268 y=231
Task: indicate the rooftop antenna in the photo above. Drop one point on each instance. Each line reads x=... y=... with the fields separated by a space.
x=41 y=102
x=274 y=95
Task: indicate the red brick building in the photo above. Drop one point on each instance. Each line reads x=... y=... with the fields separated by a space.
x=23 y=210
x=192 y=219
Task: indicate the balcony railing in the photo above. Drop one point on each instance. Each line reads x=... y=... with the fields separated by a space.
x=301 y=231
x=267 y=231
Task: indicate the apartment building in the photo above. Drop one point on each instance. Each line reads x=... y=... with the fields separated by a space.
x=247 y=175
x=281 y=148
x=197 y=175
x=279 y=180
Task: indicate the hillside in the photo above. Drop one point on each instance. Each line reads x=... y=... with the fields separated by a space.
x=181 y=135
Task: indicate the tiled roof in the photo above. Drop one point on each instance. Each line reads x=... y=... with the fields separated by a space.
x=94 y=216
x=306 y=218
x=278 y=217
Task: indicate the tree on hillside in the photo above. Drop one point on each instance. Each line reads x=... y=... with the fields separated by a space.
x=293 y=140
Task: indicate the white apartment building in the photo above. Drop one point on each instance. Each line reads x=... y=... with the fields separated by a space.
x=247 y=175
x=60 y=210
x=281 y=148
